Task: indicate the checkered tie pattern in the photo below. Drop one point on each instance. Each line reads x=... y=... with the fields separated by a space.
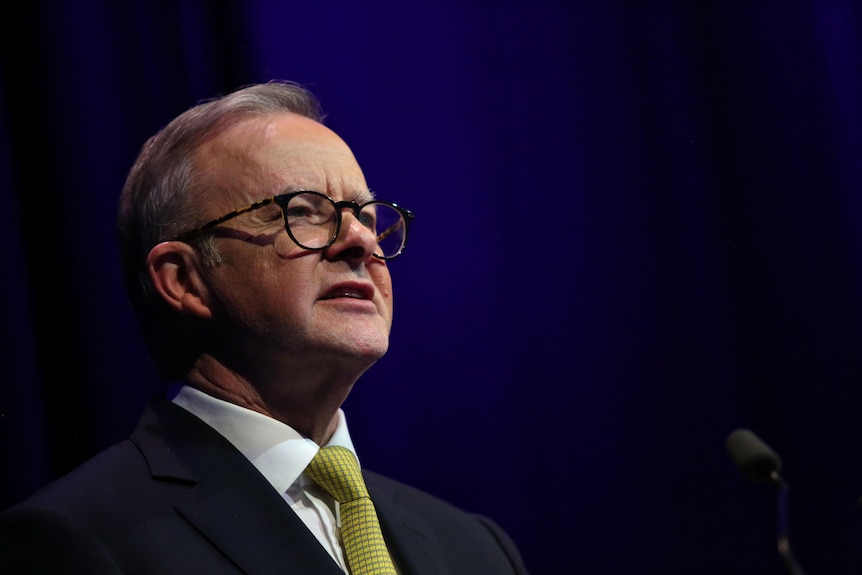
x=336 y=470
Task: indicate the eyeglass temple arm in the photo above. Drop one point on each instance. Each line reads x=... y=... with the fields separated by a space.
x=390 y=230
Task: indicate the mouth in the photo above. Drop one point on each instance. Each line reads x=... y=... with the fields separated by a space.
x=349 y=291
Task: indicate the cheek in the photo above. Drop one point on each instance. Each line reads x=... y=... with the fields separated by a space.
x=260 y=287
x=284 y=246
x=381 y=278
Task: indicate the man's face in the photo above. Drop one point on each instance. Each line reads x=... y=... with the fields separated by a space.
x=277 y=304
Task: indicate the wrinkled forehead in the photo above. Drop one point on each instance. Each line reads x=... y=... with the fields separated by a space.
x=265 y=156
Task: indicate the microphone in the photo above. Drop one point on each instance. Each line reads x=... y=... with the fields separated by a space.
x=760 y=464
x=753 y=457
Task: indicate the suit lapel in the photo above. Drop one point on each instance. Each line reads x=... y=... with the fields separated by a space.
x=229 y=502
x=409 y=537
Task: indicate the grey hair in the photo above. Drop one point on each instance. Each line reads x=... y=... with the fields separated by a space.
x=158 y=200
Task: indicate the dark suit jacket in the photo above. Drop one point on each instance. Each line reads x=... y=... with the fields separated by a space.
x=177 y=498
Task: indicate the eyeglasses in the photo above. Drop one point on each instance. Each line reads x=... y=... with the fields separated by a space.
x=313 y=221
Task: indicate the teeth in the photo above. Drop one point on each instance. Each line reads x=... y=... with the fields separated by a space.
x=353 y=294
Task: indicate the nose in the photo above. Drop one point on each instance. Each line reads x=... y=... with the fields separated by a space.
x=355 y=241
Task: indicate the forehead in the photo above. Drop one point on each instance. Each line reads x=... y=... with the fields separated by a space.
x=264 y=156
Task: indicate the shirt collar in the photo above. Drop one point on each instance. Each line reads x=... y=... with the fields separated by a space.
x=277 y=450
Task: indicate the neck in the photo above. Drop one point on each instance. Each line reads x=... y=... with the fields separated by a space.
x=307 y=404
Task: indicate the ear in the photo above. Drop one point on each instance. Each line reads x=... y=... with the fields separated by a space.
x=174 y=269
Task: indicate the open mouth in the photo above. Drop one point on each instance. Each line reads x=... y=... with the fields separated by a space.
x=348 y=291
x=350 y=294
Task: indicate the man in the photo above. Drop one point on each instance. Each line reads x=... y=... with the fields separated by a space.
x=256 y=260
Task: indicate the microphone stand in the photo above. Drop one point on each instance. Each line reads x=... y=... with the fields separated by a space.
x=783 y=521
x=760 y=464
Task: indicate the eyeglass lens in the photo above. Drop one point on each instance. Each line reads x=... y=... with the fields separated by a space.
x=312 y=219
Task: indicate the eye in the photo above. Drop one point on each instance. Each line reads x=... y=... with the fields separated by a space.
x=300 y=211
x=311 y=209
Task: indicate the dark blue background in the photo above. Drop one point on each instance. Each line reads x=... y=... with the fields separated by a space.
x=637 y=230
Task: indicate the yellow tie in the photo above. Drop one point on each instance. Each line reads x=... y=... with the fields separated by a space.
x=337 y=471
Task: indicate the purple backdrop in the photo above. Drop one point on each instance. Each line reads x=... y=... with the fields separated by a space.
x=637 y=230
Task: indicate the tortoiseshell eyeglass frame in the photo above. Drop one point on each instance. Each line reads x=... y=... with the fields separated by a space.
x=282 y=201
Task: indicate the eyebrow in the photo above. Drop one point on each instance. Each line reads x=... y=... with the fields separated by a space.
x=359 y=196
x=363 y=196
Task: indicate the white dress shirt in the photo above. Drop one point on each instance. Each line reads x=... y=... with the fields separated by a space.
x=281 y=455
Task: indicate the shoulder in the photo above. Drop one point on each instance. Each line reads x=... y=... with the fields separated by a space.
x=470 y=542
x=123 y=476
x=401 y=493
x=55 y=530
x=97 y=479
x=113 y=509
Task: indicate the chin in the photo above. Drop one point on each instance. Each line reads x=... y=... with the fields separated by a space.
x=372 y=349
x=371 y=344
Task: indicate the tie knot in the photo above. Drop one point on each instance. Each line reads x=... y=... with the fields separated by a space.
x=336 y=470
